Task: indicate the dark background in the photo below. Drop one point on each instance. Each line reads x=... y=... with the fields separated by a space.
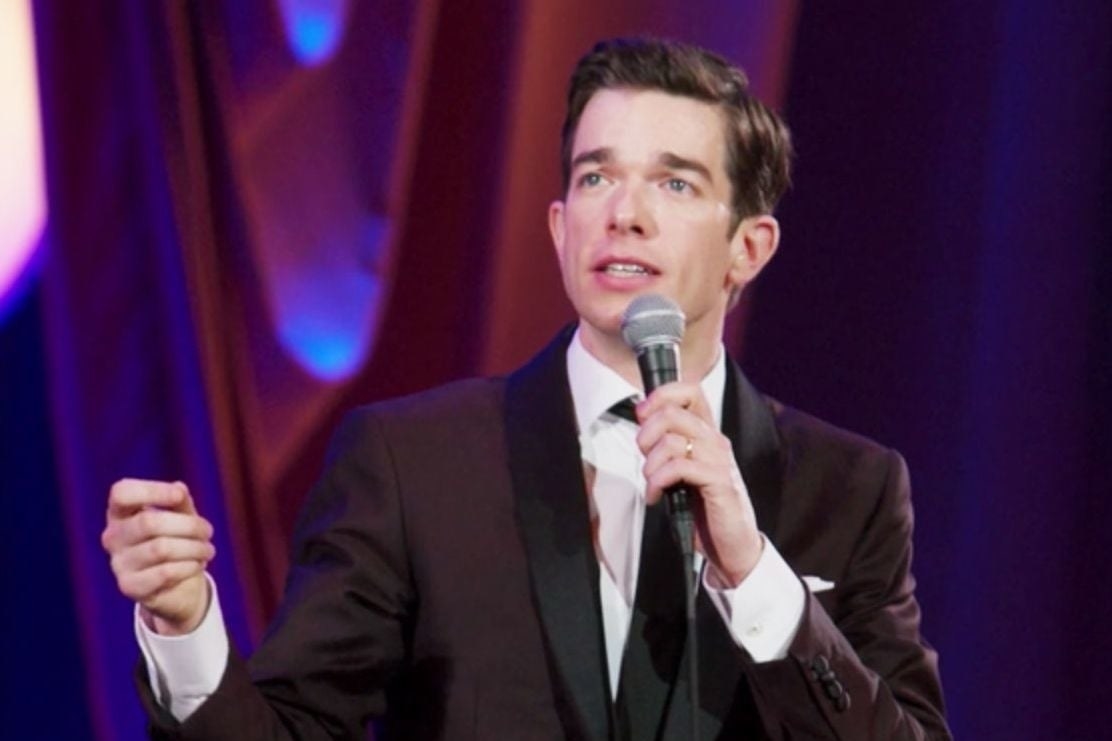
x=260 y=216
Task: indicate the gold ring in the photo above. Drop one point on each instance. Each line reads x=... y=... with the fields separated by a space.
x=690 y=447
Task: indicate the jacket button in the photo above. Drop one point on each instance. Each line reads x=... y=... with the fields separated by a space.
x=820 y=669
x=834 y=689
x=842 y=703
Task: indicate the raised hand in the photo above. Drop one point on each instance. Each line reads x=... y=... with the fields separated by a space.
x=159 y=547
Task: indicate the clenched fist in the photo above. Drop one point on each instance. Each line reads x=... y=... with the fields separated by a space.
x=159 y=547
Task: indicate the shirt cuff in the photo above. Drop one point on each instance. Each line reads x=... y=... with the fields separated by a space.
x=185 y=670
x=764 y=611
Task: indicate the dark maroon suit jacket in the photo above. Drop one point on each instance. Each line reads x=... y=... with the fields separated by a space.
x=443 y=580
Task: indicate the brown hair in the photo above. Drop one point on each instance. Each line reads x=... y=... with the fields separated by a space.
x=758 y=143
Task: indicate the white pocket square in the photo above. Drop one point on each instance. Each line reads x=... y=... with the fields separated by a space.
x=817 y=584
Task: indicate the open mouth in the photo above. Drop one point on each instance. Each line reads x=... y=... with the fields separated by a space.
x=625 y=269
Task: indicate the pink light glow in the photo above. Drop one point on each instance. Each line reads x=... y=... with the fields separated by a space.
x=22 y=181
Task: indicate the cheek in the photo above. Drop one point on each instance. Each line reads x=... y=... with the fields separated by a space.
x=579 y=228
x=701 y=224
x=706 y=241
x=579 y=214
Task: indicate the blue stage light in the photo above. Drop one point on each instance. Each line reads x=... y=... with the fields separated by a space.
x=327 y=313
x=314 y=27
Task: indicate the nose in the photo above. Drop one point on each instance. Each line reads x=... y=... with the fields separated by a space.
x=630 y=212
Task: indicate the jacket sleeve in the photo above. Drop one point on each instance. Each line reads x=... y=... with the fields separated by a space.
x=861 y=671
x=338 y=641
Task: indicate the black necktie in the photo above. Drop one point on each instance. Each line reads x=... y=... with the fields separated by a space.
x=626 y=409
x=657 y=629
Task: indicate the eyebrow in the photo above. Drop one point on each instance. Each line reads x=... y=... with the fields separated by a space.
x=676 y=162
x=671 y=160
x=599 y=156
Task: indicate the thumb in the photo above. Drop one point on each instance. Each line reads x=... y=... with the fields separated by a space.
x=183 y=501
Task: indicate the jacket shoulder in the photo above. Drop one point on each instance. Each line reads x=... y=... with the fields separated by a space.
x=432 y=421
x=801 y=433
x=456 y=400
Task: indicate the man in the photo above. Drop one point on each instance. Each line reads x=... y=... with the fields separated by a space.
x=484 y=560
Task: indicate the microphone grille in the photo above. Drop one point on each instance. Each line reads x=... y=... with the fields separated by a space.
x=651 y=319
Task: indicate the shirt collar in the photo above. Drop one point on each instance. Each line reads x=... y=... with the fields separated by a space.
x=595 y=387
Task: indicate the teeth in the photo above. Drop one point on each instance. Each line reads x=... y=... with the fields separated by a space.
x=621 y=268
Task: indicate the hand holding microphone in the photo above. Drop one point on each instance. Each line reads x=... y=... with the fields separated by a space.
x=687 y=458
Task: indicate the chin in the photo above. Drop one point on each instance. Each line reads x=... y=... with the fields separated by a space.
x=603 y=322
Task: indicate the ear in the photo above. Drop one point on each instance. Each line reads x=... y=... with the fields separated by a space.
x=556 y=226
x=753 y=245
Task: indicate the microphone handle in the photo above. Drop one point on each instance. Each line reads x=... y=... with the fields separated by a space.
x=660 y=364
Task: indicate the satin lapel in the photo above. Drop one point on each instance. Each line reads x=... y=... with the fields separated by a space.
x=553 y=517
x=747 y=421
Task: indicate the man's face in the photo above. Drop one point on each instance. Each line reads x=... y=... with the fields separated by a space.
x=647 y=211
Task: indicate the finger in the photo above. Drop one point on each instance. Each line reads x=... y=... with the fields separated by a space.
x=187 y=505
x=668 y=447
x=128 y=496
x=653 y=495
x=671 y=420
x=141 y=586
x=695 y=475
x=161 y=550
x=154 y=523
x=682 y=394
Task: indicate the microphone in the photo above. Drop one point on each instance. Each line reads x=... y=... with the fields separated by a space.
x=652 y=326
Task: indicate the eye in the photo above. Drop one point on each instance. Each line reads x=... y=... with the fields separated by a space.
x=590 y=179
x=678 y=185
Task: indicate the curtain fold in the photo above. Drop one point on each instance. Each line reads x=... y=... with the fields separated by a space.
x=125 y=371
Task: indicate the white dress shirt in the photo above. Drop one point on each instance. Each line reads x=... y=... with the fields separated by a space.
x=762 y=613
